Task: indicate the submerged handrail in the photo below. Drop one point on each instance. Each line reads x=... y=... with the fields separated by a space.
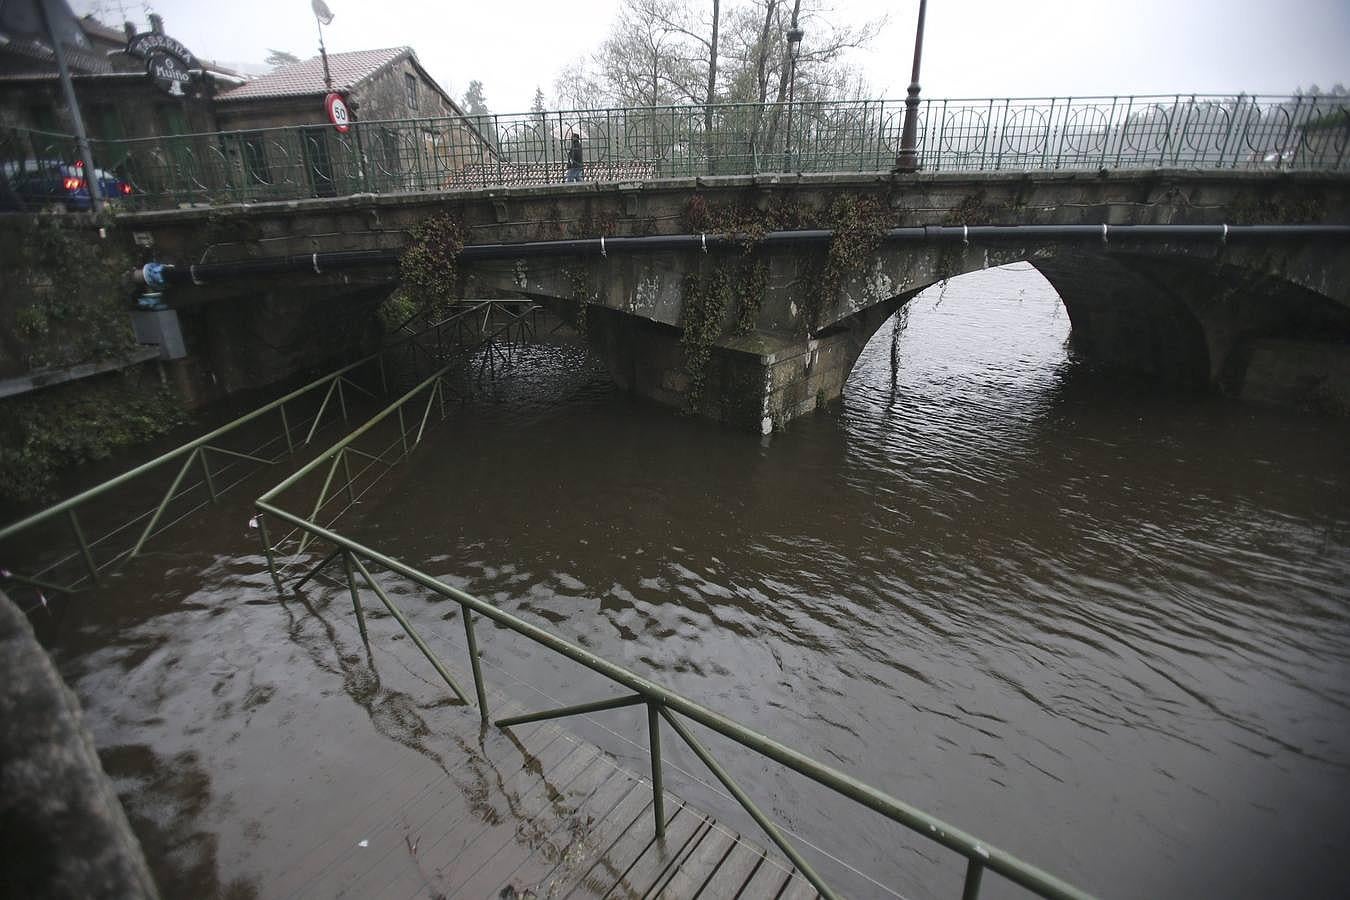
x=661 y=702
x=334 y=386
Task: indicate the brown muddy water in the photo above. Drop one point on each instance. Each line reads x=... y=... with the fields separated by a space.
x=1101 y=625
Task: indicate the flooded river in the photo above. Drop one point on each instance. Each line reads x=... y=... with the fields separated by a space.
x=1102 y=625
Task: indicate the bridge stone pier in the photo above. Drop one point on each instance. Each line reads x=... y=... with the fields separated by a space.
x=1266 y=318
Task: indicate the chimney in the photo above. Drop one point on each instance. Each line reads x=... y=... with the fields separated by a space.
x=156 y=23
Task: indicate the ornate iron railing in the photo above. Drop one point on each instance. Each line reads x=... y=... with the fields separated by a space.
x=1185 y=131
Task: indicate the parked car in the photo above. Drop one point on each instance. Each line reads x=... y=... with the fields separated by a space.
x=39 y=183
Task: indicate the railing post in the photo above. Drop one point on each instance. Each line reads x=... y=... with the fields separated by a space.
x=286 y=428
x=342 y=400
x=654 y=745
x=206 y=473
x=974 y=872
x=163 y=504
x=318 y=416
x=85 y=552
x=496 y=131
x=477 y=668
x=323 y=495
x=402 y=431
x=347 y=472
x=384 y=385
x=267 y=550
x=356 y=596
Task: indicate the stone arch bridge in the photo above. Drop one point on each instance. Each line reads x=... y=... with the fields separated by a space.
x=1264 y=314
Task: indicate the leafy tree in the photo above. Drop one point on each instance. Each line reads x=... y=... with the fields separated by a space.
x=277 y=58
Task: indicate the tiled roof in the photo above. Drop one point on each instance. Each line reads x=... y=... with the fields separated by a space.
x=303 y=78
x=94 y=28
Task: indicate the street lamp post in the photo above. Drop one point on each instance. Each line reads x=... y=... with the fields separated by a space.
x=794 y=36
x=908 y=158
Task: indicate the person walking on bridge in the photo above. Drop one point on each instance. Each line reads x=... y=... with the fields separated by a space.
x=574 y=160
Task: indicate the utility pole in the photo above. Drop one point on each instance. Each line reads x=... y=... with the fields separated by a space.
x=908 y=158
x=323 y=16
x=81 y=139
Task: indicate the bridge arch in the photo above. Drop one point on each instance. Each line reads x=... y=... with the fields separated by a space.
x=1190 y=321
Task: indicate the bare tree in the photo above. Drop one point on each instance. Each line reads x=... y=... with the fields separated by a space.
x=656 y=54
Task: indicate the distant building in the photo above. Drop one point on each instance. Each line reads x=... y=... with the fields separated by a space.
x=218 y=135
x=384 y=89
x=118 y=97
x=378 y=84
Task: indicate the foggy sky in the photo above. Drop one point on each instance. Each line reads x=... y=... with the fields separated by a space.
x=973 y=48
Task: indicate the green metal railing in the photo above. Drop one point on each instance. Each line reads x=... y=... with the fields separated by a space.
x=207 y=468
x=1190 y=131
x=394 y=435
x=204 y=457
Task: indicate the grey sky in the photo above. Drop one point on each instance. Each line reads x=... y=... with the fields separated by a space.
x=974 y=48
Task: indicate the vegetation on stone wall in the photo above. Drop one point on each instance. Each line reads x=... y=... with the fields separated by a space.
x=753 y=284
x=64 y=296
x=858 y=222
x=428 y=265
x=704 y=299
x=575 y=278
x=396 y=310
x=859 y=225
x=47 y=432
x=745 y=220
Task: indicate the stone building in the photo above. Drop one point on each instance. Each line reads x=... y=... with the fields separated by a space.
x=408 y=133
x=227 y=137
x=118 y=98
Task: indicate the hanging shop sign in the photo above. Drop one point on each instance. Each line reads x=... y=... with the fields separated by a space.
x=167 y=62
x=168 y=73
x=338 y=113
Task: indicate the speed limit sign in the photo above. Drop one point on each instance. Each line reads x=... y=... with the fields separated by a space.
x=337 y=112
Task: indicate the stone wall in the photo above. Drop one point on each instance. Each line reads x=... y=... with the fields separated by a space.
x=63 y=833
x=1180 y=309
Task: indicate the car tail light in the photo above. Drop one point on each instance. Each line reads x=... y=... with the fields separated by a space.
x=73 y=184
x=126 y=189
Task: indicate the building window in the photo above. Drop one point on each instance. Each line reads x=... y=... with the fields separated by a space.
x=411 y=84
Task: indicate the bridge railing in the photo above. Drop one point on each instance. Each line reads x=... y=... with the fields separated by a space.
x=350 y=468
x=1188 y=131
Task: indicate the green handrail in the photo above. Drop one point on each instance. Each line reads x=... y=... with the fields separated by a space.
x=976 y=851
x=662 y=702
